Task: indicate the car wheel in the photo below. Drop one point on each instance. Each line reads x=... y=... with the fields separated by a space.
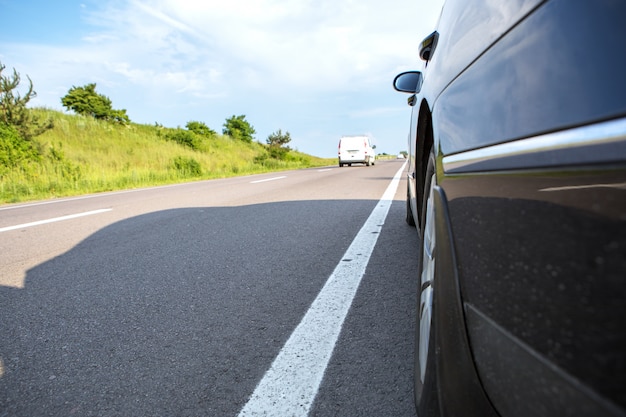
x=425 y=366
x=410 y=220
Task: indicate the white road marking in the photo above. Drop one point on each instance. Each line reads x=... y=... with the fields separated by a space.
x=55 y=219
x=324 y=170
x=268 y=179
x=90 y=196
x=289 y=387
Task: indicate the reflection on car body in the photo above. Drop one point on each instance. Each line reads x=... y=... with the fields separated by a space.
x=517 y=184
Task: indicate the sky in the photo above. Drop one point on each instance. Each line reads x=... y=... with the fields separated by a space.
x=318 y=69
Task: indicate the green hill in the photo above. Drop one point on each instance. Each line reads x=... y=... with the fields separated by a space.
x=81 y=155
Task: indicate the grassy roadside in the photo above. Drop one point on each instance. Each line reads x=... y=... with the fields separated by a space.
x=82 y=155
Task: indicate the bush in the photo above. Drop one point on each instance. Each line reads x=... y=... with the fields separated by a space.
x=201 y=129
x=187 y=167
x=185 y=138
x=15 y=151
x=278 y=152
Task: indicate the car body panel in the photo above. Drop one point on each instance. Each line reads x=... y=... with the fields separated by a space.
x=548 y=87
x=468 y=28
x=524 y=104
x=548 y=279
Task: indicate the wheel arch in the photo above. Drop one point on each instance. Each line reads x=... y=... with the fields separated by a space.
x=424 y=142
x=460 y=389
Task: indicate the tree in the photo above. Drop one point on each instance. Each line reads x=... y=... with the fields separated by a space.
x=237 y=127
x=277 y=142
x=13 y=111
x=85 y=101
x=278 y=139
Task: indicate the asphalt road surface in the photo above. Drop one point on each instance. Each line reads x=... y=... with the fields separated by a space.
x=290 y=293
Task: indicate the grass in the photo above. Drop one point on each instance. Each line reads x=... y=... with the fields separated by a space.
x=83 y=155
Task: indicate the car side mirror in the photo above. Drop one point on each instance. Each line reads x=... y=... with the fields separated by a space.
x=408 y=82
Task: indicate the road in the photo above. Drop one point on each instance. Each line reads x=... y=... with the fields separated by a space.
x=256 y=295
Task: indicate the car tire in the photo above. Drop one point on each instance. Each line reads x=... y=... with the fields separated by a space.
x=426 y=399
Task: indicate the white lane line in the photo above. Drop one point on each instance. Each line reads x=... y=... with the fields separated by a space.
x=324 y=170
x=55 y=219
x=289 y=387
x=90 y=196
x=268 y=179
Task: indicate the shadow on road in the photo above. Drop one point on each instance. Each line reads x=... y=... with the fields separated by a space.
x=180 y=312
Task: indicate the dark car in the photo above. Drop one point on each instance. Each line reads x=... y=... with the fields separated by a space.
x=517 y=182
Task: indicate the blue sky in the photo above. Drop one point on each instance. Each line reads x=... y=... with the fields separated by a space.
x=316 y=68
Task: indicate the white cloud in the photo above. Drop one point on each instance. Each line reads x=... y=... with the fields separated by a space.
x=321 y=45
x=307 y=66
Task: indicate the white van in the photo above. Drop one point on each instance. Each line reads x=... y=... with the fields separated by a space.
x=356 y=150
